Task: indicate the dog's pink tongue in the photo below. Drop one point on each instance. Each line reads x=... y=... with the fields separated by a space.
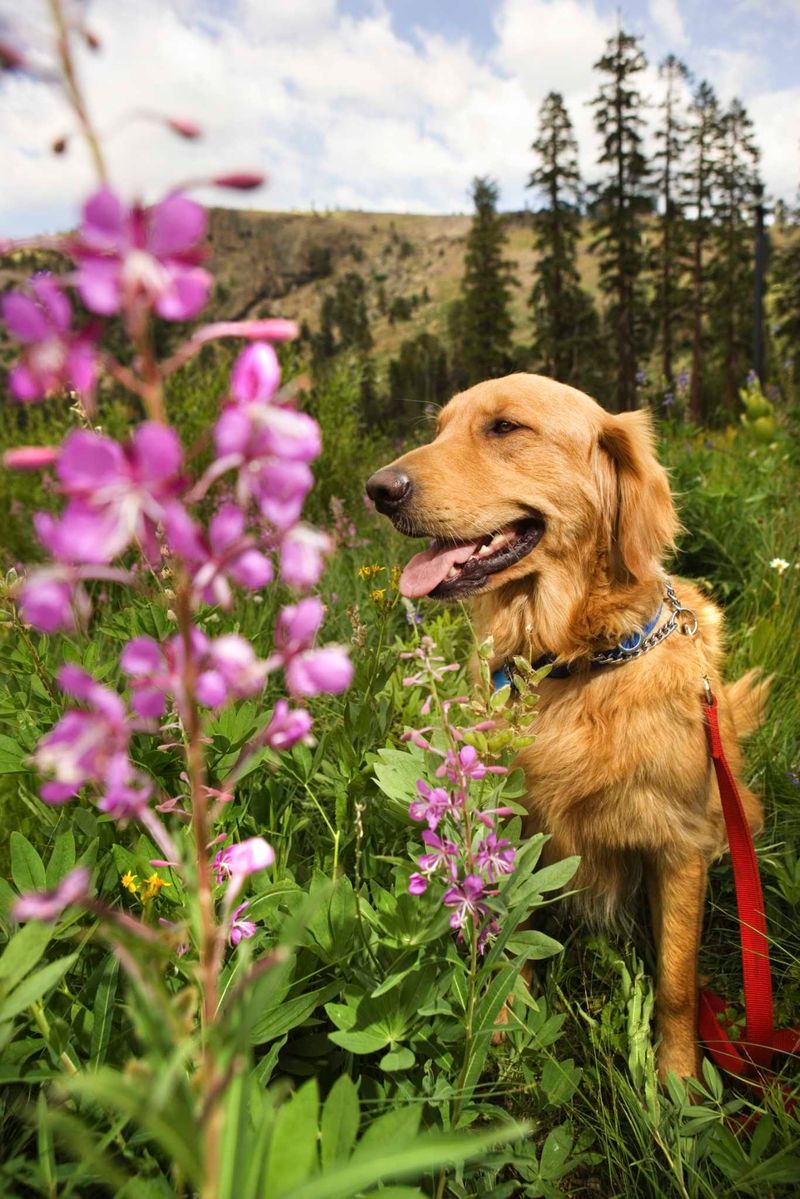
x=428 y=569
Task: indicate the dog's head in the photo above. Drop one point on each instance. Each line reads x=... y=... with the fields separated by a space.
x=525 y=476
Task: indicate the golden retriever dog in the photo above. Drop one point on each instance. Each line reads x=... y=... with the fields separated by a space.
x=552 y=517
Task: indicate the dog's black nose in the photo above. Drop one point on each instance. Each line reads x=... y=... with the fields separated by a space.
x=388 y=489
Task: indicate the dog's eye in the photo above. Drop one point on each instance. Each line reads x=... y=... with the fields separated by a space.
x=499 y=428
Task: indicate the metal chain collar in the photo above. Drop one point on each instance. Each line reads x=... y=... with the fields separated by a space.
x=680 y=618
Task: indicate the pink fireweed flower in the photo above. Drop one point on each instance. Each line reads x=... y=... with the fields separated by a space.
x=417 y=884
x=241 y=930
x=327 y=671
x=225 y=553
x=465 y=900
x=495 y=857
x=466 y=765
x=287 y=726
x=141 y=258
x=30 y=457
x=441 y=855
x=226 y=668
x=244 y=858
x=49 y=905
x=433 y=805
x=55 y=356
x=115 y=493
x=52 y=598
x=256 y=374
x=298 y=624
x=302 y=554
x=91 y=747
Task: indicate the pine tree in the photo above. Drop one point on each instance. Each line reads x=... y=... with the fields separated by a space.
x=485 y=320
x=671 y=246
x=620 y=204
x=565 y=323
x=786 y=299
x=731 y=271
x=703 y=140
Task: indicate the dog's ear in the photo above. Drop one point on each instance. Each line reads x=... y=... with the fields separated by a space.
x=642 y=521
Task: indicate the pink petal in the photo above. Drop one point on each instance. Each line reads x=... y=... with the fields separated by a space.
x=24 y=385
x=157 y=452
x=104 y=220
x=251 y=569
x=226 y=527
x=53 y=300
x=183 y=535
x=256 y=374
x=24 y=319
x=98 y=284
x=176 y=224
x=187 y=295
x=141 y=656
x=30 y=457
x=149 y=702
x=82 y=367
x=89 y=461
x=211 y=689
x=75 y=681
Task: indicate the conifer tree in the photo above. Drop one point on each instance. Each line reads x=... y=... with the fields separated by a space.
x=485 y=324
x=621 y=201
x=565 y=322
x=732 y=264
x=703 y=139
x=671 y=246
x=786 y=298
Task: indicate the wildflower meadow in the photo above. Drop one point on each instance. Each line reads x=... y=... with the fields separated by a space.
x=269 y=918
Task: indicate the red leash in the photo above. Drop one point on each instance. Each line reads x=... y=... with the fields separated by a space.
x=749 y=1057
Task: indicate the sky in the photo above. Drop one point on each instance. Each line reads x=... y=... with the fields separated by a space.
x=386 y=105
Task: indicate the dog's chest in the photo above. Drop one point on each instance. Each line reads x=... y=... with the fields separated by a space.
x=603 y=774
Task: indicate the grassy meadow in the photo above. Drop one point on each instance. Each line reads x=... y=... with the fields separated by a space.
x=577 y=1062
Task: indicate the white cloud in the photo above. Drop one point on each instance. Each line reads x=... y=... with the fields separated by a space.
x=339 y=110
x=667 y=18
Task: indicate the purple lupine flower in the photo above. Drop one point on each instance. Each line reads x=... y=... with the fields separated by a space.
x=141 y=258
x=465 y=900
x=495 y=857
x=241 y=930
x=433 y=805
x=243 y=858
x=441 y=855
x=55 y=357
x=302 y=551
x=324 y=671
x=115 y=493
x=256 y=374
x=49 y=905
x=287 y=726
x=91 y=747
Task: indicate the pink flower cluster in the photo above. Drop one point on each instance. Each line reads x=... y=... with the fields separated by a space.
x=462 y=848
x=137 y=497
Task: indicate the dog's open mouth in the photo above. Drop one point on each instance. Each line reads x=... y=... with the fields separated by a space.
x=450 y=571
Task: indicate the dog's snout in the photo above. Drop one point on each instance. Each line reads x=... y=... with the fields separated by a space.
x=388 y=489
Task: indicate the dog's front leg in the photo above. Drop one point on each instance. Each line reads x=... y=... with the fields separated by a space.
x=677 y=890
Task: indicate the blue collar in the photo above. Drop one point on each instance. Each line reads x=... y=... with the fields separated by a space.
x=624 y=651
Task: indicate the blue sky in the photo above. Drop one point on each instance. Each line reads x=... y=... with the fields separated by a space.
x=390 y=105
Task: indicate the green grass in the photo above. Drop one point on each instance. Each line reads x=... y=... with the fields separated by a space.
x=581 y=1068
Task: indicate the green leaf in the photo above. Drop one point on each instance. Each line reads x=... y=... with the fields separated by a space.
x=339 y=1125
x=62 y=859
x=560 y=1080
x=23 y=952
x=293 y=1147
x=12 y=756
x=290 y=1013
x=27 y=868
x=556 y=875
x=397 y=771
x=35 y=986
x=388 y=1160
x=362 y=1040
x=103 y=1010
x=397 y=1059
x=44 y=1144
x=533 y=945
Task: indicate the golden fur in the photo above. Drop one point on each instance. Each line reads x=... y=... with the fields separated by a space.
x=620 y=772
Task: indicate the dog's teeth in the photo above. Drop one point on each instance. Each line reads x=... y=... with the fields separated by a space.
x=452 y=573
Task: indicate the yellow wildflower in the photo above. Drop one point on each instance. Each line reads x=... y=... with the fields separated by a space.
x=130 y=882
x=377 y=595
x=367 y=572
x=152 y=887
